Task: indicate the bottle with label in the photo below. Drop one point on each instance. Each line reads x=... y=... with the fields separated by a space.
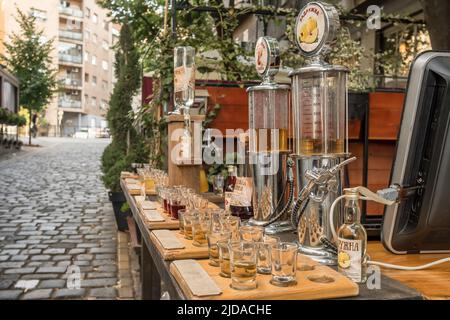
x=229 y=186
x=352 y=241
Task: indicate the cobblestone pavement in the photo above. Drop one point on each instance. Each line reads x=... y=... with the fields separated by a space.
x=56 y=220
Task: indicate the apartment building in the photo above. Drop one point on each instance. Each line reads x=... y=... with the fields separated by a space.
x=82 y=55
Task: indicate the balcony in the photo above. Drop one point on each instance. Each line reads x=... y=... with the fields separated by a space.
x=71 y=35
x=71 y=12
x=70 y=82
x=69 y=104
x=64 y=57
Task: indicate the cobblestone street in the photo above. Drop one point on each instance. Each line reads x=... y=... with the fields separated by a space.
x=55 y=216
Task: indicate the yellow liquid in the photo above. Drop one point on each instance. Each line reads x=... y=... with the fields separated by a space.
x=214 y=256
x=149 y=184
x=243 y=271
x=188 y=232
x=225 y=266
x=199 y=238
x=316 y=146
x=267 y=144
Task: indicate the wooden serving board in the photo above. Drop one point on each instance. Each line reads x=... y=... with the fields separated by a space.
x=309 y=285
x=168 y=223
x=133 y=187
x=188 y=252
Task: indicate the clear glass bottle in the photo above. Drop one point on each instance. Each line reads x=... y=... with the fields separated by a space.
x=352 y=241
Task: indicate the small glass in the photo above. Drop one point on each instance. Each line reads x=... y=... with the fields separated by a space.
x=176 y=203
x=284 y=264
x=264 y=259
x=181 y=214
x=188 y=217
x=219 y=184
x=243 y=266
x=213 y=250
x=233 y=223
x=252 y=233
x=200 y=227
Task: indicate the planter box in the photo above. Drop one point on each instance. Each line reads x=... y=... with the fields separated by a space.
x=118 y=199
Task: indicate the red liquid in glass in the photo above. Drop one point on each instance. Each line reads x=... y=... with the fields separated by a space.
x=174 y=210
x=242 y=212
x=166 y=205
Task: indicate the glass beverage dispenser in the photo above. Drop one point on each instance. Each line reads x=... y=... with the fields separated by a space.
x=268 y=140
x=319 y=102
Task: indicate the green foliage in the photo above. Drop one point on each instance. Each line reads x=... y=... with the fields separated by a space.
x=11 y=118
x=127 y=144
x=28 y=57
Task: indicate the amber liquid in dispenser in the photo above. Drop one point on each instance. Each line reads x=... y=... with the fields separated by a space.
x=317 y=147
x=267 y=144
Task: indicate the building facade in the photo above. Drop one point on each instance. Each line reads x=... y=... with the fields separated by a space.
x=82 y=55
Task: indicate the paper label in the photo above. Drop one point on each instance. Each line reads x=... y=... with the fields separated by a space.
x=350 y=258
x=242 y=193
x=183 y=78
x=261 y=56
x=310 y=27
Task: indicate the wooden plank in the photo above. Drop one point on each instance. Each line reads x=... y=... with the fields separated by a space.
x=305 y=289
x=168 y=222
x=385 y=114
x=188 y=252
x=433 y=283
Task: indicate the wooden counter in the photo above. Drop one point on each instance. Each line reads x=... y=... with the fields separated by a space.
x=433 y=283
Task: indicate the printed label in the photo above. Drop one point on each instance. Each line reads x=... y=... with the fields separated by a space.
x=183 y=78
x=350 y=258
x=310 y=27
x=242 y=193
x=261 y=56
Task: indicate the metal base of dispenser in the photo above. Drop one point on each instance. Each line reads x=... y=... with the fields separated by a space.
x=318 y=254
x=274 y=228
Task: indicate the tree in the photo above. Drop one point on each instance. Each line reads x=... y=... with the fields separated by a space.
x=28 y=58
x=126 y=146
x=436 y=17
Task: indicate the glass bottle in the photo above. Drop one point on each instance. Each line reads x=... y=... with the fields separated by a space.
x=352 y=241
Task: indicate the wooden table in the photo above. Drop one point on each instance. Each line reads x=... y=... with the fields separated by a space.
x=433 y=283
x=154 y=271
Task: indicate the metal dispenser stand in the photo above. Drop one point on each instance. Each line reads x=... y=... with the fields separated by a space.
x=319 y=101
x=268 y=145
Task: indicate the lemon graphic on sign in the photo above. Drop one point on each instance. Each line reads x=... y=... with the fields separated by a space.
x=344 y=260
x=309 y=31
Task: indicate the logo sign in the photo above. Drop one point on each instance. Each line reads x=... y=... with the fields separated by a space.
x=315 y=27
x=262 y=55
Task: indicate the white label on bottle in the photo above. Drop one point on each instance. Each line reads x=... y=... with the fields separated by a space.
x=228 y=195
x=350 y=258
x=242 y=193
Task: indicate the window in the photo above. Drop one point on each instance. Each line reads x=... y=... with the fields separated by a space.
x=104 y=65
x=94 y=38
x=95 y=18
x=86 y=56
x=38 y=14
x=86 y=99
x=94 y=101
x=105 y=25
x=105 y=45
x=86 y=77
x=88 y=12
x=94 y=60
x=94 y=81
x=104 y=105
x=104 y=85
x=87 y=35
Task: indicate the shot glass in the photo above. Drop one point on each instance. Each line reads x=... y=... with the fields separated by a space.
x=213 y=250
x=264 y=258
x=233 y=223
x=200 y=227
x=284 y=264
x=243 y=266
x=187 y=223
x=176 y=203
x=224 y=258
x=251 y=233
x=181 y=214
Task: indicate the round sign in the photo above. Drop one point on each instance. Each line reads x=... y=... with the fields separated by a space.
x=261 y=56
x=267 y=56
x=316 y=27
